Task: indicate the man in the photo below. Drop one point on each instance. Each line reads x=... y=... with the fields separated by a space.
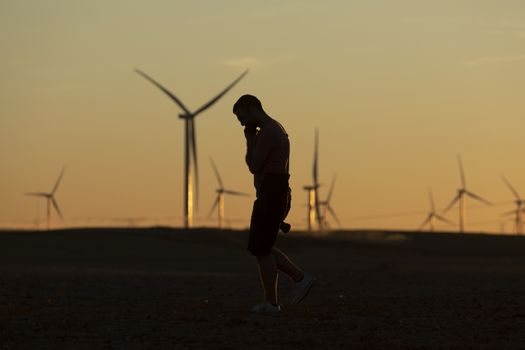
x=267 y=156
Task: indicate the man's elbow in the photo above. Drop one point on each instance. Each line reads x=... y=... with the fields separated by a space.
x=249 y=163
x=254 y=169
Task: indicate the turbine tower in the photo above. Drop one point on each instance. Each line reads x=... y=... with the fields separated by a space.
x=221 y=191
x=520 y=207
x=432 y=216
x=327 y=207
x=191 y=170
x=314 y=211
x=461 y=198
x=50 y=198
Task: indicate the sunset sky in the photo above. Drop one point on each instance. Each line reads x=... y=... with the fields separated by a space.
x=396 y=88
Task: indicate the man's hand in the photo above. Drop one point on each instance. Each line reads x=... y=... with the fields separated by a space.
x=249 y=130
x=249 y=133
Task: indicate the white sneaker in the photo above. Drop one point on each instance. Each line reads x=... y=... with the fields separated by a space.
x=302 y=288
x=266 y=308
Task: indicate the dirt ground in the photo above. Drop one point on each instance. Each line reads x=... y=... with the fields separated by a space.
x=173 y=289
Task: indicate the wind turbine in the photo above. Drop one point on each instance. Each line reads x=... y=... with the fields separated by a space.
x=190 y=144
x=50 y=198
x=327 y=207
x=461 y=197
x=221 y=191
x=314 y=210
x=520 y=207
x=432 y=216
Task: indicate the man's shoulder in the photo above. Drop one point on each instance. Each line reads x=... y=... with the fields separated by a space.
x=276 y=128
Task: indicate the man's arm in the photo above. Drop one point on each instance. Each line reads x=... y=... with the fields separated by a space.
x=250 y=134
x=257 y=153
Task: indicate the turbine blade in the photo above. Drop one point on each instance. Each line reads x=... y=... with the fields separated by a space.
x=216 y=98
x=513 y=190
x=316 y=156
x=462 y=173
x=214 y=206
x=216 y=173
x=332 y=211
x=58 y=181
x=166 y=91
x=475 y=196
x=330 y=191
x=55 y=204
x=37 y=194
x=439 y=217
x=235 y=193
x=427 y=220
x=323 y=207
x=452 y=203
x=431 y=197
x=194 y=153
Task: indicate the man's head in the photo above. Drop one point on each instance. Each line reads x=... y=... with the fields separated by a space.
x=246 y=109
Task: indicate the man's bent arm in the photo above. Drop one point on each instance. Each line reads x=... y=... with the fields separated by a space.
x=260 y=152
x=250 y=145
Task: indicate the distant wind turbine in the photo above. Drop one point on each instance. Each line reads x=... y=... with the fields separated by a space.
x=50 y=198
x=190 y=144
x=221 y=191
x=461 y=198
x=432 y=216
x=327 y=207
x=520 y=207
x=314 y=210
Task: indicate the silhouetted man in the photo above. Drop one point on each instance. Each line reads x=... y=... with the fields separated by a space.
x=267 y=156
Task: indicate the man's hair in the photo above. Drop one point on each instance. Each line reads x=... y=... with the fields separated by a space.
x=245 y=102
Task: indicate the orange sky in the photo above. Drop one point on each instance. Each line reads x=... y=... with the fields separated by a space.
x=397 y=90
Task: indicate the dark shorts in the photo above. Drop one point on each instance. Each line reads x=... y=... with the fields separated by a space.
x=269 y=210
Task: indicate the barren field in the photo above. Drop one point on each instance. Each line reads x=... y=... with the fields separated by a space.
x=173 y=289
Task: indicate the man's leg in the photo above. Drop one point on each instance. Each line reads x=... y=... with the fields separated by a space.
x=286 y=265
x=268 y=273
x=303 y=281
